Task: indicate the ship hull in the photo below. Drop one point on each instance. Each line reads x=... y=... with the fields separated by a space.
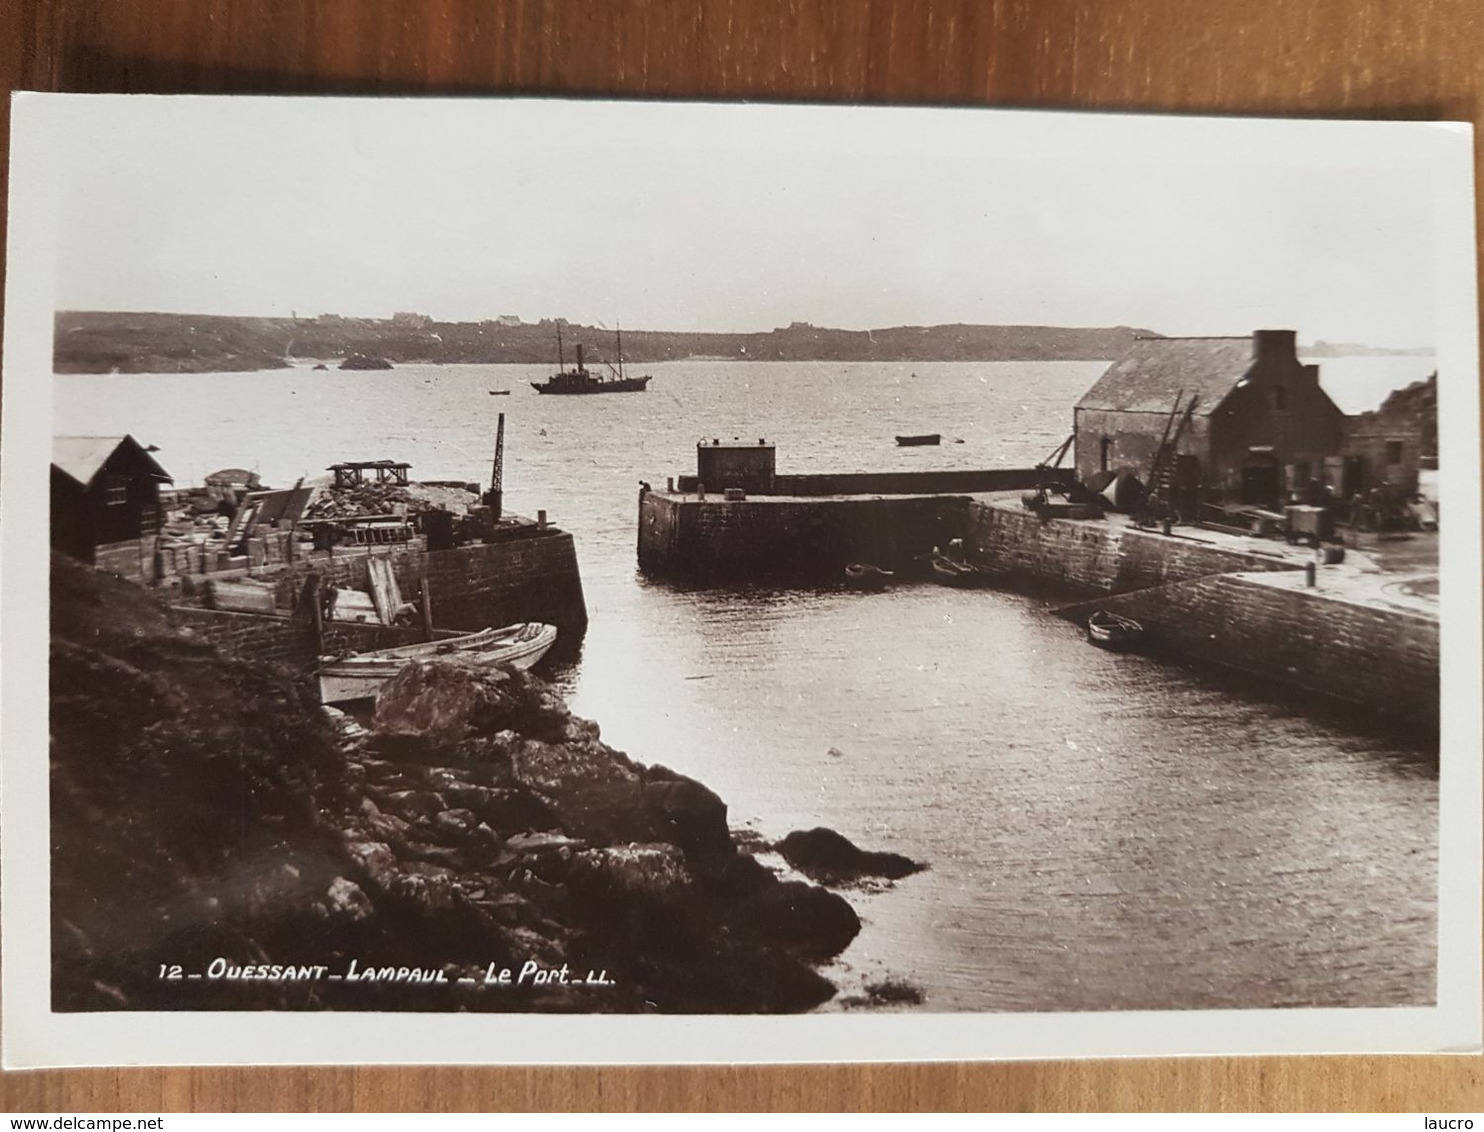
x=619 y=385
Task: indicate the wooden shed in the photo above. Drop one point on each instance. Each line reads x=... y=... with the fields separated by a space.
x=105 y=489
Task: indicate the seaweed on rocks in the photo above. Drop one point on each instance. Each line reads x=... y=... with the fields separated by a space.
x=208 y=816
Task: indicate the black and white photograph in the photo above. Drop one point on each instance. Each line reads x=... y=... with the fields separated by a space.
x=538 y=580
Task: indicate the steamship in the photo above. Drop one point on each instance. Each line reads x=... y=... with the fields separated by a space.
x=583 y=380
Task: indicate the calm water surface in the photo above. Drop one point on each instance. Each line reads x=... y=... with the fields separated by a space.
x=1103 y=832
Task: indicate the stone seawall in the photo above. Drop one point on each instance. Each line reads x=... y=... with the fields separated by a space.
x=285 y=640
x=472 y=587
x=951 y=482
x=776 y=536
x=1097 y=557
x=1276 y=627
x=1247 y=610
x=530 y=578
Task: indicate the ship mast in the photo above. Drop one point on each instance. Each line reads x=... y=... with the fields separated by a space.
x=561 y=365
x=618 y=330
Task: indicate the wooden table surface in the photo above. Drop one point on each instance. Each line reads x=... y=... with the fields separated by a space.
x=1421 y=59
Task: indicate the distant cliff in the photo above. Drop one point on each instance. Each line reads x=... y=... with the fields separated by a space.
x=108 y=341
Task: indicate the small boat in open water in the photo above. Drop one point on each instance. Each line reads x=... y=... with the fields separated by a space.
x=864 y=576
x=1112 y=631
x=916 y=441
x=361 y=676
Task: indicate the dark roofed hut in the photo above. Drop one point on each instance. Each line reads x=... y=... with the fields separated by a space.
x=1261 y=425
x=105 y=489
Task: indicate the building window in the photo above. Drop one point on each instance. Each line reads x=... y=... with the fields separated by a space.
x=115 y=490
x=1393 y=451
x=1280 y=398
x=1105 y=452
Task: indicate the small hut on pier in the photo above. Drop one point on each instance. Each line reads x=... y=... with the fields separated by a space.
x=104 y=490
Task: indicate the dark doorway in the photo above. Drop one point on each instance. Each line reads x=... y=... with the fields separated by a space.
x=1262 y=484
x=1188 y=488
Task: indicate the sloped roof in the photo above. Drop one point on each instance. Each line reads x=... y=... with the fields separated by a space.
x=1155 y=370
x=81 y=457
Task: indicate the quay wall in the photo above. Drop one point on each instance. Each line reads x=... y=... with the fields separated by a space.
x=286 y=640
x=960 y=481
x=533 y=576
x=1096 y=557
x=474 y=586
x=776 y=537
x=1383 y=658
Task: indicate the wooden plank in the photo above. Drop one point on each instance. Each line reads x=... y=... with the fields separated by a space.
x=426 y=608
x=380 y=583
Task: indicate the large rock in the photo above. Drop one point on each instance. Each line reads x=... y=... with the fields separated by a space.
x=594 y=795
x=801 y=917
x=440 y=702
x=828 y=857
x=688 y=814
x=654 y=872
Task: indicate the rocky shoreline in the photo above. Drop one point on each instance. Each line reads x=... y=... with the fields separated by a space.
x=222 y=842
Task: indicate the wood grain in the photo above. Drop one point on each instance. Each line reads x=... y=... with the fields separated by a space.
x=1360 y=58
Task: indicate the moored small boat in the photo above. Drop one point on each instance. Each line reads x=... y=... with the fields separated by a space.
x=499 y=393
x=1112 y=631
x=864 y=576
x=923 y=438
x=361 y=676
x=956 y=572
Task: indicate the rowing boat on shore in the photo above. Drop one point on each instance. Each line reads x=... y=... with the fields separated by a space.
x=864 y=576
x=1111 y=631
x=956 y=572
x=361 y=676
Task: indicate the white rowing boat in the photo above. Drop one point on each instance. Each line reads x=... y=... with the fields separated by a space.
x=361 y=676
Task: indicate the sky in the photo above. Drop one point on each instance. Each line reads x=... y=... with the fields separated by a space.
x=738 y=218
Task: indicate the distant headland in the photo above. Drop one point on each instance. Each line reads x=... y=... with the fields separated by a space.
x=137 y=342
x=128 y=342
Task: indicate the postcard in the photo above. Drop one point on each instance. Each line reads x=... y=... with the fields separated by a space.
x=543 y=581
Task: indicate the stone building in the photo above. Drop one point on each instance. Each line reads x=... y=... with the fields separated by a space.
x=1258 y=424
x=1390 y=446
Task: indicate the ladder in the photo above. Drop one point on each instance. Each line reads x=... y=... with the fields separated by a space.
x=1159 y=498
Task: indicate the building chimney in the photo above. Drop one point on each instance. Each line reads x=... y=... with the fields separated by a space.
x=1275 y=345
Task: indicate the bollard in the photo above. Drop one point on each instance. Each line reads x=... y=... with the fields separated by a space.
x=1309 y=572
x=541 y=519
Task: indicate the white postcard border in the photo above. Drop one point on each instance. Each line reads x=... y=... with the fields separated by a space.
x=33 y=1036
